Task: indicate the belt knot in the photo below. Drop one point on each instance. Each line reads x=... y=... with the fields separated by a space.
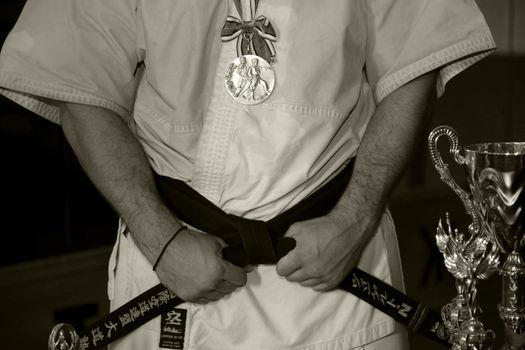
x=257 y=244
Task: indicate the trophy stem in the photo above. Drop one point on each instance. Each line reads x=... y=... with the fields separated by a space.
x=512 y=307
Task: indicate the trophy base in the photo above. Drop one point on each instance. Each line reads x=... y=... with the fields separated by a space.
x=512 y=347
x=512 y=306
x=513 y=341
x=472 y=335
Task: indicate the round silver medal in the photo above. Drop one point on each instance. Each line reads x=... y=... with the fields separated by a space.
x=250 y=79
x=63 y=337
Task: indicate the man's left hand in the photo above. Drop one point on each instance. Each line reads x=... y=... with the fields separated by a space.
x=325 y=253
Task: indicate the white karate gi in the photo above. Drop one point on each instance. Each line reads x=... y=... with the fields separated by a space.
x=336 y=60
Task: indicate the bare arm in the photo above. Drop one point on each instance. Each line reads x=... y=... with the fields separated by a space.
x=117 y=165
x=115 y=161
x=330 y=246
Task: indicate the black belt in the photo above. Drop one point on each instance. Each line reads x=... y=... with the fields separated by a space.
x=258 y=242
x=249 y=241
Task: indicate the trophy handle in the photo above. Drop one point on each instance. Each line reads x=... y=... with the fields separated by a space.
x=444 y=173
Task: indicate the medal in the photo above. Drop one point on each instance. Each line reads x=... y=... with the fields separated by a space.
x=250 y=78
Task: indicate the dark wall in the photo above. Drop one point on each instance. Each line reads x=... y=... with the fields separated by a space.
x=47 y=205
x=483 y=104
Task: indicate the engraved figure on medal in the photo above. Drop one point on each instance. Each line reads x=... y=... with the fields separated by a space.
x=63 y=337
x=250 y=79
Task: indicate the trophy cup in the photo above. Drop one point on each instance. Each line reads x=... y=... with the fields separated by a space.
x=495 y=175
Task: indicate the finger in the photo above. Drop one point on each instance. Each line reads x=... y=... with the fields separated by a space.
x=323 y=287
x=293 y=230
x=201 y=301
x=226 y=287
x=234 y=274
x=298 y=276
x=249 y=268
x=310 y=282
x=214 y=295
x=205 y=298
x=287 y=265
x=220 y=243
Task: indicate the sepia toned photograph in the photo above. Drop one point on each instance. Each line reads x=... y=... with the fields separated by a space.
x=262 y=174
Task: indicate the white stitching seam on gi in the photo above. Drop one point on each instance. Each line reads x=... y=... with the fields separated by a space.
x=29 y=90
x=181 y=128
x=323 y=112
x=435 y=60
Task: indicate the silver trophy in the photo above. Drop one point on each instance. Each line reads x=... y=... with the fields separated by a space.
x=468 y=258
x=495 y=174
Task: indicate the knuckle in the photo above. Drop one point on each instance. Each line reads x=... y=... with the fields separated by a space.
x=315 y=270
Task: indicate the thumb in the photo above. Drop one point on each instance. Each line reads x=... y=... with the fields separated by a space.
x=293 y=230
x=288 y=264
x=234 y=274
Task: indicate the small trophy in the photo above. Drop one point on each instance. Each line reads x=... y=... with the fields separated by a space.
x=467 y=259
x=495 y=174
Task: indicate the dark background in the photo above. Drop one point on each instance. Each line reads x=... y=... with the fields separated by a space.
x=56 y=231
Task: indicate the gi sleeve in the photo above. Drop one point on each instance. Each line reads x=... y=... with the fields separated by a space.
x=408 y=38
x=81 y=51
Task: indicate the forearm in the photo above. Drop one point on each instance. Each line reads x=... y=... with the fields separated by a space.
x=388 y=143
x=328 y=247
x=115 y=162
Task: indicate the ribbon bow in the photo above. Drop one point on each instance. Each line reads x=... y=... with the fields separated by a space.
x=253 y=37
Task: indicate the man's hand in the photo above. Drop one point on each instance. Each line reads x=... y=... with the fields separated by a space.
x=329 y=247
x=325 y=253
x=192 y=267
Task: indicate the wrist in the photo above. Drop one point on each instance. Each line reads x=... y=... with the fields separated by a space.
x=152 y=229
x=163 y=247
x=359 y=223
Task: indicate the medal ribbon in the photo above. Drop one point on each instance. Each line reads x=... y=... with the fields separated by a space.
x=253 y=37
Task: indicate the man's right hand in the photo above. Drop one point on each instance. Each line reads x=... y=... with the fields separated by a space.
x=192 y=265
x=193 y=268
